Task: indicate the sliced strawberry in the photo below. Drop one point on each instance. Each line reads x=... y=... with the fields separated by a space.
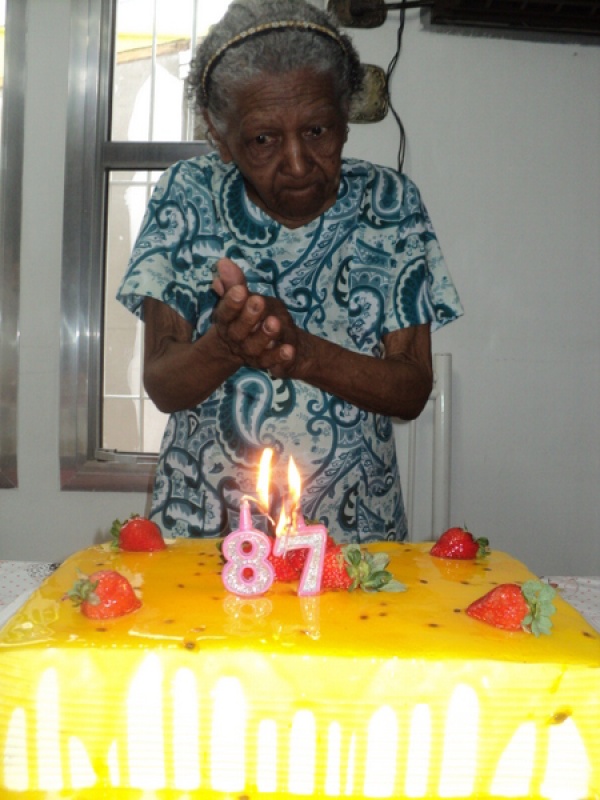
x=513 y=608
x=104 y=594
x=137 y=534
x=460 y=544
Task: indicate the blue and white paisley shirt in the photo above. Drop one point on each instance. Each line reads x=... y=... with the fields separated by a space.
x=370 y=265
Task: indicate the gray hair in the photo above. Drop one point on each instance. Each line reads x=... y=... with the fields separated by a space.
x=270 y=36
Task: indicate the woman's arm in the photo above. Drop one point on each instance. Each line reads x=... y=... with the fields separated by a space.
x=180 y=374
x=397 y=385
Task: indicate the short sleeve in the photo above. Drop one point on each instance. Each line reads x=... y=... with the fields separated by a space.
x=177 y=245
x=421 y=290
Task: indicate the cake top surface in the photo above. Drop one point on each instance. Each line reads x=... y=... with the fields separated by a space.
x=184 y=604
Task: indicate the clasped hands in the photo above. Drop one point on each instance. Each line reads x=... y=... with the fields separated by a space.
x=257 y=330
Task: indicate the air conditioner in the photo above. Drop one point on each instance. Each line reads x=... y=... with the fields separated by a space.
x=566 y=17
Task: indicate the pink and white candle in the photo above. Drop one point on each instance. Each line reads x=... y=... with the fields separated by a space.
x=314 y=539
x=295 y=534
x=247 y=571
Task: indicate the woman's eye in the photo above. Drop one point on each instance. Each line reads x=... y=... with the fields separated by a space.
x=316 y=131
x=261 y=139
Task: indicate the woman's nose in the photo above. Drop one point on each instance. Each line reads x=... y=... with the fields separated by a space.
x=296 y=156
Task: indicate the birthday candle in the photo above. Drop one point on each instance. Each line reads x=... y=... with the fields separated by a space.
x=247 y=571
x=314 y=539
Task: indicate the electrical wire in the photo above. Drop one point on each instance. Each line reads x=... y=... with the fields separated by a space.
x=388 y=78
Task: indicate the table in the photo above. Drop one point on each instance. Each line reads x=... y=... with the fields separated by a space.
x=19 y=578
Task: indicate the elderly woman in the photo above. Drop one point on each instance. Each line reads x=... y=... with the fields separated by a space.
x=288 y=293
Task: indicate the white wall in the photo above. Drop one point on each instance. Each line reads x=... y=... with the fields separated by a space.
x=503 y=140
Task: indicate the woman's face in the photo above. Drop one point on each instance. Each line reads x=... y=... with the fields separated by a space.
x=286 y=135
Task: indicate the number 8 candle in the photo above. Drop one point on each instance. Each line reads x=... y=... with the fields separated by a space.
x=247 y=571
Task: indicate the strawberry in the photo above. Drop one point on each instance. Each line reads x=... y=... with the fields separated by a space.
x=514 y=608
x=459 y=543
x=298 y=557
x=349 y=567
x=286 y=569
x=137 y=534
x=104 y=594
x=335 y=570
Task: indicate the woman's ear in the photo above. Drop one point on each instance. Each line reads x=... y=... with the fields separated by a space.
x=216 y=141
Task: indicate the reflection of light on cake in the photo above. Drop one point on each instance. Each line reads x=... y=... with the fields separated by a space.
x=419 y=746
x=513 y=774
x=82 y=773
x=567 y=767
x=334 y=759
x=113 y=765
x=349 y=789
x=246 y=615
x=185 y=730
x=309 y=606
x=228 y=755
x=459 y=762
x=303 y=745
x=382 y=743
x=16 y=768
x=266 y=761
x=145 y=740
x=47 y=731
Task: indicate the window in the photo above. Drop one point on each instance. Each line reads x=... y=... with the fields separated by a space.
x=12 y=90
x=128 y=120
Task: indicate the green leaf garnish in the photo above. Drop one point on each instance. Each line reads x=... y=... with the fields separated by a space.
x=539 y=597
x=484 y=547
x=368 y=570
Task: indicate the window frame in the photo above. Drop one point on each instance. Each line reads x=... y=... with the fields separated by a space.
x=11 y=177
x=90 y=156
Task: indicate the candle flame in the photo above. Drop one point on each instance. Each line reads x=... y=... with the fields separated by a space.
x=283 y=524
x=290 y=508
x=264 y=477
x=294 y=483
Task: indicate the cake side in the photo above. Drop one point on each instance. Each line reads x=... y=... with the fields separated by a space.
x=204 y=694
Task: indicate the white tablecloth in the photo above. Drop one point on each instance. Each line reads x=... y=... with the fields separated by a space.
x=19 y=578
x=582 y=593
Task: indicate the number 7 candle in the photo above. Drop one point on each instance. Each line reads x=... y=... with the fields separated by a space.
x=314 y=539
x=302 y=536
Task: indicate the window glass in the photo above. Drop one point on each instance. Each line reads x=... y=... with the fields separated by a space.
x=152 y=53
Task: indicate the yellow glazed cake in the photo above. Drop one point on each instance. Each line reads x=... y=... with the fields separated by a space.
x=202 y=694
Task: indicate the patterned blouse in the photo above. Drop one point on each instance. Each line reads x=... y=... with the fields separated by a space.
x=371 y=264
